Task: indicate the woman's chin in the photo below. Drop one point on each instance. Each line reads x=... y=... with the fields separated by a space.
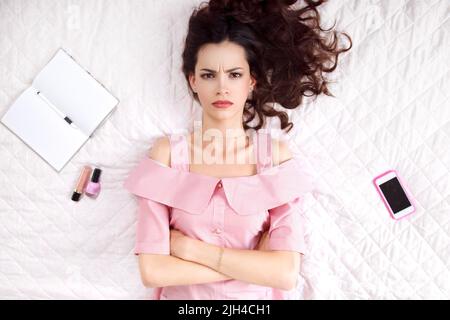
x=224 y=114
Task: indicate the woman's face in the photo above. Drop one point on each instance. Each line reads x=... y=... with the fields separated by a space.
x=222 y=73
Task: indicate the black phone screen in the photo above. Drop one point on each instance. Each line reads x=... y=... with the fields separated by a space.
x=395 y=195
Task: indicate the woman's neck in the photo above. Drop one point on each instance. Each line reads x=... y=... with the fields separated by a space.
x=225 y=140
x=219 y=132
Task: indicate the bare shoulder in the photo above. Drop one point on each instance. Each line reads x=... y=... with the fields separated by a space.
x=160 y=151
x=280 y=152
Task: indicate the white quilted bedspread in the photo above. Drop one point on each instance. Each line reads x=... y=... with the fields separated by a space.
x=391 y=111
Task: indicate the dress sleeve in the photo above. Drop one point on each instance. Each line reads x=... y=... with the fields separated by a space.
x=287 y=230
x=152 y=228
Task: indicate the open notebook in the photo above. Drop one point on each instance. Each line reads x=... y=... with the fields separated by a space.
x=60 y=111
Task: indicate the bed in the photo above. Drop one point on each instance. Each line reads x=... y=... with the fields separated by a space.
x=391 y=110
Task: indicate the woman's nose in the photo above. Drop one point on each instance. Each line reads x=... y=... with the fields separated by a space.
x=222 y=83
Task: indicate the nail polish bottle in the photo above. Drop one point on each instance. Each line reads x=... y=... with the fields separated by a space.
x=93 y=187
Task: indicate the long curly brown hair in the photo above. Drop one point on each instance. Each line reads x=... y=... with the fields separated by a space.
x=287 y=50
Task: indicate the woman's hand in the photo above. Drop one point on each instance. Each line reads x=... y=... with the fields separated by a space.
x=263 y=244
x=181 y=246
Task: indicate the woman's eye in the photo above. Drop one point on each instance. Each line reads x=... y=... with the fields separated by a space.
x=207 y=75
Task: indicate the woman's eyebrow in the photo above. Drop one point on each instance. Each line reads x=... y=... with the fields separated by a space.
x=216 y=71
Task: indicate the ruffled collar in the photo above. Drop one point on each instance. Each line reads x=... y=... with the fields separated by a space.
x=192 y=191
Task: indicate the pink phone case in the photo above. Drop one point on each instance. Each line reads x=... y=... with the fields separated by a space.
x=408 y=195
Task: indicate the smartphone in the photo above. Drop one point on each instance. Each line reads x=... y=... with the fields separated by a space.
x=394 y=194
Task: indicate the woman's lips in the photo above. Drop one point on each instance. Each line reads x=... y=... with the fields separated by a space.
x=222 y=105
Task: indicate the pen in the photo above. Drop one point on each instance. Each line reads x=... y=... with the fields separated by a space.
x=66 y=118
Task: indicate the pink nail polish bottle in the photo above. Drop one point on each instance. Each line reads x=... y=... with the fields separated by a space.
x=93 y=187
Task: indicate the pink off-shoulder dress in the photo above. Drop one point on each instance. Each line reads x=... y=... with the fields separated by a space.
x=229 y=212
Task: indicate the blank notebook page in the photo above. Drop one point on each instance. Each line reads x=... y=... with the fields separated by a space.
x=37 y=124
x=75 y=92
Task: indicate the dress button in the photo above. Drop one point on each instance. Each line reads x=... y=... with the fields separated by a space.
x=220 y=185
x=217 y=231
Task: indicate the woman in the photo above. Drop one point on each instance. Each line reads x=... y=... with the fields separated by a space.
x=222 y=220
